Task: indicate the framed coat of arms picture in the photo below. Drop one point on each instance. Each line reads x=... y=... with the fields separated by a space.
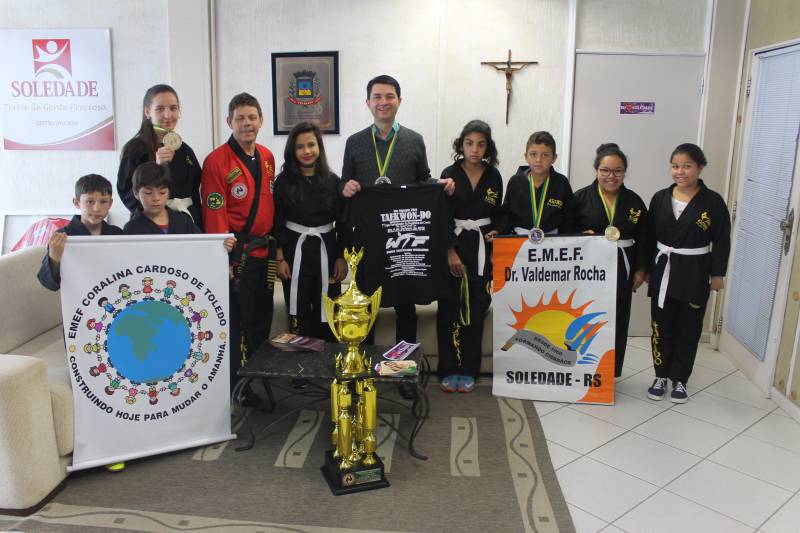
x=305 y=88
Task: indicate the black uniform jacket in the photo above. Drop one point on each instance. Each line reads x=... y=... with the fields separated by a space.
x=485 y=201
x=179 y=224
x=51 y=278
x=705 y=221
x=559 y=206
x=184 y=170
x=630 y=217
x=320 y=205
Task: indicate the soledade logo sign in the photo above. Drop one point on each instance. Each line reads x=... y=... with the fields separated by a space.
x=56 y=89
x=52 y=70
x=52 y=56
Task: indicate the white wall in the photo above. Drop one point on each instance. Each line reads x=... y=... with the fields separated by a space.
x=663 y=25
x=434 y=48
x=42 y=182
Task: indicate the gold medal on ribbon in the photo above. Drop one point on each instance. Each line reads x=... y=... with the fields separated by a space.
x=383 y=165
x=172 y=141
x=536 y=236
x=612 y=233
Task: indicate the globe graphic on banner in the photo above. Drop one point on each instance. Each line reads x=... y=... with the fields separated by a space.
x=149 y=341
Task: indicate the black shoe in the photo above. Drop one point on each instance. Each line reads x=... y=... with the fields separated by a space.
x=657 y=389
x=679 y=394
x=407 y=391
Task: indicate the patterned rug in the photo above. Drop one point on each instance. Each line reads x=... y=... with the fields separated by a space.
x=488 y=469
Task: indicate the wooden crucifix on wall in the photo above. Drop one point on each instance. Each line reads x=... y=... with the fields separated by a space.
x=508 y=67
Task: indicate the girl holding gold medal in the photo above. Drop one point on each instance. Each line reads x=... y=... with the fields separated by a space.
x=538 y=199
x=157 y=141
x=607 y=207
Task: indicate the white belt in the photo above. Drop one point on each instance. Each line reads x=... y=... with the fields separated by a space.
x=626 y=243
x=474 y=225
x=181 y=205
x=663 y=249
x=524 y=231
x=305 y=232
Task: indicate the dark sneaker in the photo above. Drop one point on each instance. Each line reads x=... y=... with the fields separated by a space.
x=657 y=389
x=450 y=384
x=679 y=394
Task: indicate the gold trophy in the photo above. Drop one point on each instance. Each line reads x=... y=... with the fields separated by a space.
x=352 y=465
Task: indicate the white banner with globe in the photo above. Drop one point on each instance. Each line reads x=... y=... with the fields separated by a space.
x=146 y=329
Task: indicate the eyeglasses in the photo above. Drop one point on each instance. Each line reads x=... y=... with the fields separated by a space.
x=606 y=172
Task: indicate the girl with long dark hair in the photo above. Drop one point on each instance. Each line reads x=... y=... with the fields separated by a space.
x=307 y=209
x=157 y=141
x=475 y=207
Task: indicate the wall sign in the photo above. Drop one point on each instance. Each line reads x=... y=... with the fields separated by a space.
x=637 y=108
x=305 y=88
x=56 y=89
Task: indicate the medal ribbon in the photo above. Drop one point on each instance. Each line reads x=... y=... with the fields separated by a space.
x=536 y=210
x=160 y=129
x=382 y=167
x=609 y=211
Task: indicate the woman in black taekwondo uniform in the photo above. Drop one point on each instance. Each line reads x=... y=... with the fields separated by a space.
x=475 y=209
x=607 y=207
x=689 y=240
x=538 y=199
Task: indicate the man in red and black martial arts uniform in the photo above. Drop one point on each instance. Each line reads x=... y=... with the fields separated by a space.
x=236 y=189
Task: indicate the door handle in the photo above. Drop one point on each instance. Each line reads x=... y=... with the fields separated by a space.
x=786 y=226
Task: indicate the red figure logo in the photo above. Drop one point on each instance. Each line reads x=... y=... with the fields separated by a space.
x=52 y=56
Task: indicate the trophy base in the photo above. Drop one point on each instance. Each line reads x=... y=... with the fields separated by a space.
x=356 y=479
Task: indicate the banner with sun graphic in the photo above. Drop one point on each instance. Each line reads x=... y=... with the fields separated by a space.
x=146 y=329
x=554 y=311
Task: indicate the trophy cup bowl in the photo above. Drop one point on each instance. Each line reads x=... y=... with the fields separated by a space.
x=350 y=317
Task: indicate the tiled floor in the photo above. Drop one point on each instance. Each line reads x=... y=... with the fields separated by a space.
x=726 y=461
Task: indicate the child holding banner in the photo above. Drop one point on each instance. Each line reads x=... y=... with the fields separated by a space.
x=475 y=209
x=607 y=207
x=538 y=199
x=157 y=141
x=151 y=188
x=93 y=197
x=310 y=243
x=689 y=241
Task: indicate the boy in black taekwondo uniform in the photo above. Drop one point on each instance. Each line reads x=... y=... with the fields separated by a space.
x=538 y=199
